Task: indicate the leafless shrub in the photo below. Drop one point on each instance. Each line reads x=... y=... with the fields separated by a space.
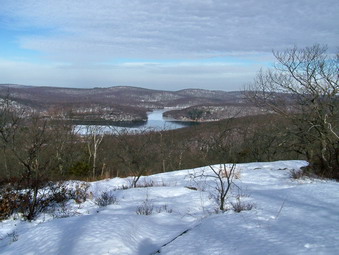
x=63 y=212
x=106 y=198
x=164 y=208
x=240 y=206
x=46 y=199
x=223 y=177
x=79 y=194
x=146 y=208
x=223 y=182
x=149 y=183
x=145 y=184
x=123 y=187
x=296 y=174
x=13 y=236
x=8 y=202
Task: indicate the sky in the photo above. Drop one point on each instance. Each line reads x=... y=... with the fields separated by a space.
x=157 y=44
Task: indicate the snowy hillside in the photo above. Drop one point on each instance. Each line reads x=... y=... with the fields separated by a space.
x=288 y=217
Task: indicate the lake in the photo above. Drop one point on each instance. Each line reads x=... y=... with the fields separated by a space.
x=155 y=122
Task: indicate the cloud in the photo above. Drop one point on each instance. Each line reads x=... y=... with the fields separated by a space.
x=99 y=30
x=161 y=75
x=176 y=42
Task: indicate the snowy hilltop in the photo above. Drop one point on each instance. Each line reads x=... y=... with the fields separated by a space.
x=265 y=212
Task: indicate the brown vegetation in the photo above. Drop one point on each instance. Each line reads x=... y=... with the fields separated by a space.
x=311 y=77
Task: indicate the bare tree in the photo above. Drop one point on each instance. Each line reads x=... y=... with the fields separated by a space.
x=10 y=120
x=29 y=141
x=222 y=176
x=63 y=139
x=95 y=136
x=303 y=87
x=135 y=152
x=26 y=139
x=224 y=180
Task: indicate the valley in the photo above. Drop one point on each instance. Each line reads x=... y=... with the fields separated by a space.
x=127 y=104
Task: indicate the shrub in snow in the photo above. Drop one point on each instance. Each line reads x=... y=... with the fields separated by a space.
x=164 y=208
x=145 y=184
x=79 y=194
x=146 y=208
x=149 y=183
x=8 y=203
x=296 y=174
x=31 y=202
x=223 y=177
x=240 y=206
x=30 y=196
x=62 y=211
x=13 y=236
x=106 y=198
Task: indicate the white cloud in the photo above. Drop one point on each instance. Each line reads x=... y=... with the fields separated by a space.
x=161 y=29
x=86 y=32
x=168 y=76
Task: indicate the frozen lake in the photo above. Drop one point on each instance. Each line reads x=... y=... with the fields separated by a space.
x=155 y=122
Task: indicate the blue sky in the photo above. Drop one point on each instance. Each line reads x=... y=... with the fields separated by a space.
x=173 y=44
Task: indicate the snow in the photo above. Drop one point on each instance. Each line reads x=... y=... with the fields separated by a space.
x=289 y=217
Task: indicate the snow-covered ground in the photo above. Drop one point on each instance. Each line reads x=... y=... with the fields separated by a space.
x=289 y=217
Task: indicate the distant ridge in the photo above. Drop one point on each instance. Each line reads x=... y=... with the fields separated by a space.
x=122 y=95
x=119 y=103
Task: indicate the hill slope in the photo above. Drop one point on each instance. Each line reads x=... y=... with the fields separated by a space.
x=289 y=217
x=120 y=103
x=122 y=95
